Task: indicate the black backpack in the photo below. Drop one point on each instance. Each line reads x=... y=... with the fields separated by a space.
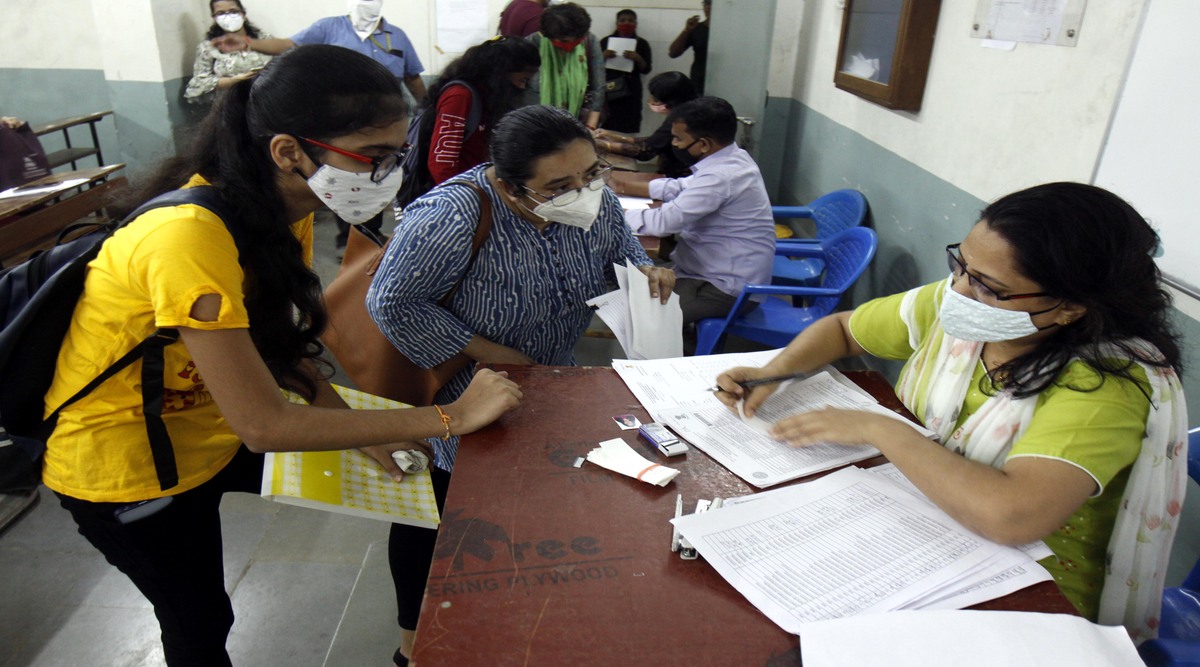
x=417 y=179
x=37 y=301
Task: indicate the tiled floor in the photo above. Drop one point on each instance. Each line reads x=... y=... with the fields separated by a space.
x=309 y=588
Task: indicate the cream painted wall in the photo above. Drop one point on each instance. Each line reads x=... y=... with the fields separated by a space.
x=72 y=44
x=1050 y=105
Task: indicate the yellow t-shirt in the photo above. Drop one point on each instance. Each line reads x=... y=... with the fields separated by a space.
x=1099 y=431
x=147 y=276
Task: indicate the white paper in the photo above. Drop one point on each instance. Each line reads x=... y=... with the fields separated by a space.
x=645 y=326
x=1037 y=21
x=25 y=191
x=461 y=24
x=620 y=45
x=616 y=455
x=816 y=392
x=634 y=203
x=976 y=638
x=657 y=326
x=670 y=384
x=849 y=543
x=677 y=393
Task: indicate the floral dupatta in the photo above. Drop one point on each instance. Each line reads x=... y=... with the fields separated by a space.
x=934 y=384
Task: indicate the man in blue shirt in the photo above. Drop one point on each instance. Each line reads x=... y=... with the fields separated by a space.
x=364 y=30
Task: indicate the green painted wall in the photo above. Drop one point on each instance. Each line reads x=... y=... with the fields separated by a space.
x=150 y=122
x=915 y=215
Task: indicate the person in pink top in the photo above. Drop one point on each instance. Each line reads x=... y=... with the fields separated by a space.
x=522 y=18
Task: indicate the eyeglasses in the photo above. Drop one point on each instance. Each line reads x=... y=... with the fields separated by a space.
x=596 y=180
x=229 y=12
x=381 y=167
x=982 y=292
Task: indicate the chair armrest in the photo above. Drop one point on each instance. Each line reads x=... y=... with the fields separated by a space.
x=791 y=212
x=790 y=290
x=792 y=249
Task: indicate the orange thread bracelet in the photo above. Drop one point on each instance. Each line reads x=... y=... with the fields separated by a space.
x=445 y=421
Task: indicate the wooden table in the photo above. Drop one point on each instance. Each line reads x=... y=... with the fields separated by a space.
x=32 y=222
x=542 y=563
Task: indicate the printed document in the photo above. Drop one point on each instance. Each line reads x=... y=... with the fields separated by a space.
x=677 y=392
x=849 y=543
x=620 y=45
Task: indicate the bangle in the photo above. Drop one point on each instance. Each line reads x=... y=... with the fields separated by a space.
x=445 y=421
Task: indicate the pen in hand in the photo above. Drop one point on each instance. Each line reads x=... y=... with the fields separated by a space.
x=747 y=385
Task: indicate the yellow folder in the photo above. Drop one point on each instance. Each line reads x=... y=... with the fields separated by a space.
x=348 y=481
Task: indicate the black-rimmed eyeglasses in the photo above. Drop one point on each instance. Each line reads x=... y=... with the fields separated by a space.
x=984 y=293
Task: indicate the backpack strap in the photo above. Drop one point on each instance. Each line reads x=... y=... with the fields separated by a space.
x=150 y=350
x=476 y=110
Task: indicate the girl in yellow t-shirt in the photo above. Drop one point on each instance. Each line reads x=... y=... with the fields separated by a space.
x=320 y=125
x=1047 y=365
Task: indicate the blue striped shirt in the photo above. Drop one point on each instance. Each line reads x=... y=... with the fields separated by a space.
x=526 y=290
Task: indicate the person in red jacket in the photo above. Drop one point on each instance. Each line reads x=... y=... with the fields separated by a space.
x=497 y=71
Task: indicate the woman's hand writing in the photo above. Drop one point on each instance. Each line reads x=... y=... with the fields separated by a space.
x=732 y=392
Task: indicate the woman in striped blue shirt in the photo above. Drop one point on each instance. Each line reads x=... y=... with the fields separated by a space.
x=556 y=232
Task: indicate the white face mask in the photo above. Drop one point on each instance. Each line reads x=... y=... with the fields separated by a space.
x=971 y=320
x=352 y=195
x=580 y=213
x=230 y=22
x=364 y=14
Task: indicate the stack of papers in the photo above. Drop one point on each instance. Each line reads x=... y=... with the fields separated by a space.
x=852 y=543
x=677 y=392
x=645 y=327
x=619 y=457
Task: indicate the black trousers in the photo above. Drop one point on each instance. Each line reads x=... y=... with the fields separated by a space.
x=174 y=557
x=410 y=556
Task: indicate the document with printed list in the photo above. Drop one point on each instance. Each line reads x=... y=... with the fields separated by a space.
x=677 y=392
x=849 y=543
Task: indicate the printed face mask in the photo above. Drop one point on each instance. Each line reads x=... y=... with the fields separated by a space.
x=230 y=22
x=971 y=320
x=352 y=195
x=580 y=213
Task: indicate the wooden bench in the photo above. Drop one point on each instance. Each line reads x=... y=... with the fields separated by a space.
x=29 y=224
x=72 y=154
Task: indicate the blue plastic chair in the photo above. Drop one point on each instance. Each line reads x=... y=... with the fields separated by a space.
x=1178 y=643
x=831 y=212
x=776 y=321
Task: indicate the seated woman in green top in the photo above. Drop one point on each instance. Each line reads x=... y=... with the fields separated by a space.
x=1047 y=365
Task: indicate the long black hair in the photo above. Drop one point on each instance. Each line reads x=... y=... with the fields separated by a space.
x=528 y=134
x=319 y=92
x=672 y=89
x=487 y=67
x=1088 y=246
x=215 y=31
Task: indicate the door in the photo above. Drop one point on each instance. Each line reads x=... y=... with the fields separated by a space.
x=739 y=49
